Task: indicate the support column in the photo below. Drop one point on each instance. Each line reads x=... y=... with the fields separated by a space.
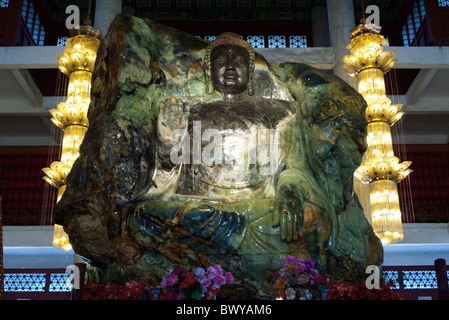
x=105 y=12
x=77 y=293
x=441 y=272
x=320 y=27
x=341 y=22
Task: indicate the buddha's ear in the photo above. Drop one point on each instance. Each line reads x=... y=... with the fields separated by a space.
x=209 y=86
x=251 y=86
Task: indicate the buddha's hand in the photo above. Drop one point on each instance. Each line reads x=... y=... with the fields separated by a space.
x=291 y=210
x=172 y=122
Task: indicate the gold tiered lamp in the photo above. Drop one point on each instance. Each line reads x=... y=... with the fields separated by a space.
x=380 y=169
x=77 y=62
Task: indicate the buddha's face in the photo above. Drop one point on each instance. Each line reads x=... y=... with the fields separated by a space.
x=230 y=69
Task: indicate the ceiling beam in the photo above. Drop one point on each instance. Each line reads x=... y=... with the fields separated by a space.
x=422 y=105
x=433 y=138
x=32 y=57
x=420 y=85
x=22 y=107
x=44 y=57
x=28 y=85
x=12 y=110
x=33 y=140
x=421 y=57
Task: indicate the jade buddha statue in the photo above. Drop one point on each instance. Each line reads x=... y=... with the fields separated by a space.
x=203 y=151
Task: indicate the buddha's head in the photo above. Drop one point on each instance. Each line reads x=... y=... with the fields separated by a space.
x=230 y=63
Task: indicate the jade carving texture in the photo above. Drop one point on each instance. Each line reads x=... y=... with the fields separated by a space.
x=175 y=166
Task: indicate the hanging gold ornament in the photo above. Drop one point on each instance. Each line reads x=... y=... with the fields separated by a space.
x=77 y=62
x=380 y=169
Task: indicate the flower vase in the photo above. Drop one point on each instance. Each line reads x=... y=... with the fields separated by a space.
x=156 y=291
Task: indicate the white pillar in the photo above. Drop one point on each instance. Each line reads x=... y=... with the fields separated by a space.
x=320 y=26
x=341 y=21
x=105 y=12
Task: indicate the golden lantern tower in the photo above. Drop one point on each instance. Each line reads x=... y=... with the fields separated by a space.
x=77 y=62
x=380 y=169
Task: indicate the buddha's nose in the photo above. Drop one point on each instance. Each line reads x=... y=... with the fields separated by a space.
x=230 y=65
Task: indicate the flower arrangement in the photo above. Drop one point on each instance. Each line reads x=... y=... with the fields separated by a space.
x=187 y=282
x=113 y=290
x=358 y=291
x=299 y=280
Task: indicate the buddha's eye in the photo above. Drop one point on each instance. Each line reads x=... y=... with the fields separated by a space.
x=220 y=59
x=239 y=59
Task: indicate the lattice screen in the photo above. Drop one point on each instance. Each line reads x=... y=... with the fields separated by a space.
x=298 y=41
x=35 y=282
x=424 y=279
x=416 y=279
x=392 y=276
x=256 y=41
x=210 y=38
x=62 y=41
x=58 y=282
x=24 y=282
x=276 y=42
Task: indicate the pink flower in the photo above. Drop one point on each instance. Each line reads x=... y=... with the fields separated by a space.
x=301 y=267
x=309 y=264
x=169 y=281
x=220 y=280
x=218 y=268
x=179 y=283
x=214 y=271
x=229 y=277
x=206 y=282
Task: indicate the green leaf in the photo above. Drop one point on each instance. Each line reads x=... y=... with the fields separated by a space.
x=196 y=294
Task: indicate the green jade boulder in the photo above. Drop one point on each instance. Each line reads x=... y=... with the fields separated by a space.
x=141 y=200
